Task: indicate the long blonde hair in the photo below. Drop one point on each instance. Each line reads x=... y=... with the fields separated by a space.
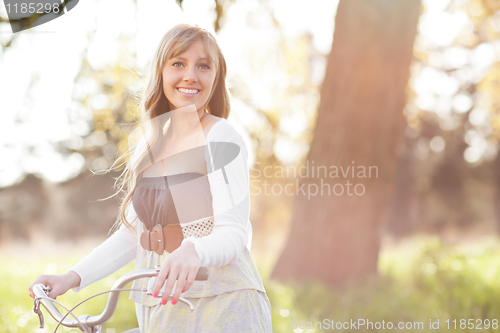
x=154 y=103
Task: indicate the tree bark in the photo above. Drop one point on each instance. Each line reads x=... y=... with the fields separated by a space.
x=404 y=208
x=336 y=238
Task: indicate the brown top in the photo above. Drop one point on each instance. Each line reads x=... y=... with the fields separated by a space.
x=154 y=204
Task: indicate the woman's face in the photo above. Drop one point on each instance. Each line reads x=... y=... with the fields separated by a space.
x=188 y=78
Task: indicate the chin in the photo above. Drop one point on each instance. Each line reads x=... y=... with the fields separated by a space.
x=181 y=105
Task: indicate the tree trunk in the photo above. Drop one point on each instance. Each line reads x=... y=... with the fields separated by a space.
x=404 y=208
x=336 y=238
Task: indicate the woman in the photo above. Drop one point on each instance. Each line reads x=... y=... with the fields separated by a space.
x=187 y=206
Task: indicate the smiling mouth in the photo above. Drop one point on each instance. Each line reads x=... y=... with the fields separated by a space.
x=188 y=91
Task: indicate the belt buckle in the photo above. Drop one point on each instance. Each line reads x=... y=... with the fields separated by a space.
x=153 y=240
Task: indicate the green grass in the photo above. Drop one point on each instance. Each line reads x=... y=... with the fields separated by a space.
x=421 y=279
x=17 y=274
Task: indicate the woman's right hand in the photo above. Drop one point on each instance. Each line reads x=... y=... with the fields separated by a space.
x=59 y=284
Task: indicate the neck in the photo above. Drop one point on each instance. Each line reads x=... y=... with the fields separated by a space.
x=184 y=123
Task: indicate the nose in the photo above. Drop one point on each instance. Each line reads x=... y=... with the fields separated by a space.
x=190 y=74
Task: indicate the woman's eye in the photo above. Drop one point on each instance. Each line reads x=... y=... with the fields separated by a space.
x=204 y=66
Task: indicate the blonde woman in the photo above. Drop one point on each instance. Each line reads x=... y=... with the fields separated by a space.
x=187 y=202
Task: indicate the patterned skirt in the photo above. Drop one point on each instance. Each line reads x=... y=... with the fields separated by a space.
x=246 y=310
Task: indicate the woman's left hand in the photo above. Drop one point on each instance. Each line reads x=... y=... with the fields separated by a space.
x=181 y=265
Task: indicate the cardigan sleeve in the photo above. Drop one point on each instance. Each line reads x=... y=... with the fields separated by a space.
x=228 y=177
x=113 y=254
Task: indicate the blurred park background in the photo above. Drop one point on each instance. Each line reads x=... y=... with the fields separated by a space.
x=409 y=90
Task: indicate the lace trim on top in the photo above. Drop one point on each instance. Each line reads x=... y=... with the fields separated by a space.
x=198 y=228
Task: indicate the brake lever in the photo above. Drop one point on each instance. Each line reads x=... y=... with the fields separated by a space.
x=36 y=306
x=36 y=309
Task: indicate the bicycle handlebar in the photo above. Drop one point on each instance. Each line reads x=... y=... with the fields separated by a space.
x=92 y=321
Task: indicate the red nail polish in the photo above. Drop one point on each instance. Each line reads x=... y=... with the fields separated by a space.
x=155 y=294
x=163 y=301
x=174 y=301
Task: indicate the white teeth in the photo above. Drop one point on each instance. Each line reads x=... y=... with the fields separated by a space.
x=188 y=91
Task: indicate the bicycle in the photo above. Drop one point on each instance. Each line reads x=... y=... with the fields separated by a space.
x=92 y=324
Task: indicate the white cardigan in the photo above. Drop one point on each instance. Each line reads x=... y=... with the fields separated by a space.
x=232 y=230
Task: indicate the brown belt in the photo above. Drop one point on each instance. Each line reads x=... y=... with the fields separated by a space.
x=158 y=240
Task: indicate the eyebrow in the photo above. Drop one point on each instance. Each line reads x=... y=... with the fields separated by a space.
x=182 y=58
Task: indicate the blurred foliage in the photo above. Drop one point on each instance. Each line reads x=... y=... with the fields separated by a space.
x=282 y=130
x=420 y=279
x=453 y=128
x=109 y=94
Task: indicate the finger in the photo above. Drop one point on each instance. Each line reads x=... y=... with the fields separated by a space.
x=54 y=293
x=37 y=280
x=181 y=281
x=171 y=280
x=43 y=279
x=160 y=278
x=30 y=288
x=190 y=280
